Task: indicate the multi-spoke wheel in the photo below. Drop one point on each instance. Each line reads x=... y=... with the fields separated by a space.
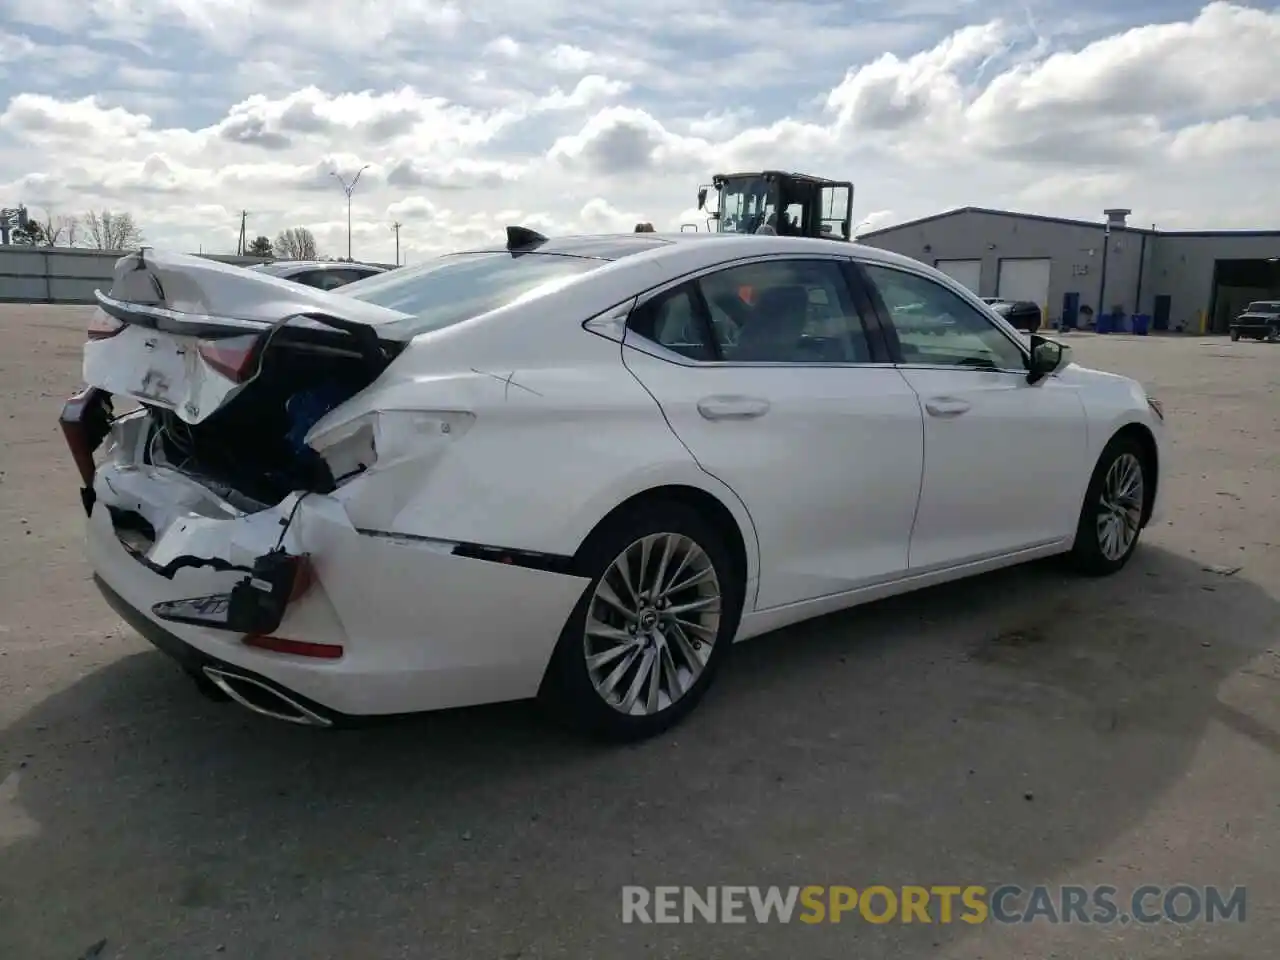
x=1114 y=506
x=644 y=641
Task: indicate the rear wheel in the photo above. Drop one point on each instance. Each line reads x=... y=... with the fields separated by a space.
x=648 y=635
x=1114 y=505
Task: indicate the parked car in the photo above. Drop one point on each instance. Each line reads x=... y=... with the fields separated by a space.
x=573 y=468
x=322 y=274
x=1260 y=320
x=1022 y=314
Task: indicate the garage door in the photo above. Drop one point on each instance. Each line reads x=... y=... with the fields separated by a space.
x=966 y=272
x=1025 y=280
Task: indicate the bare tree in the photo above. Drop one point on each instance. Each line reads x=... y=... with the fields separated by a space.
x=59 y=231
x=112 y=230
x=296 y=243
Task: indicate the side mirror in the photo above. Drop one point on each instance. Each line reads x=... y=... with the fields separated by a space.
x=1047 y=357
x=702 y=197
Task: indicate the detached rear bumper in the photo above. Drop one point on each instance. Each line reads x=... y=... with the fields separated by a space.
x=204 y=667
x=419 y=628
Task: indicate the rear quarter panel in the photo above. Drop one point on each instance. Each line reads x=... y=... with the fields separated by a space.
x=561 y=434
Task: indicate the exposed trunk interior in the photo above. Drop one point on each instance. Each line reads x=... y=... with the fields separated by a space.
x=251 y=451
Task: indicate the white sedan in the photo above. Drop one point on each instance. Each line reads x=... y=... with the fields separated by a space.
x=575 y=468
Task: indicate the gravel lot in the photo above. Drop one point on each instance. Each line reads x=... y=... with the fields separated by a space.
x=1025 y=727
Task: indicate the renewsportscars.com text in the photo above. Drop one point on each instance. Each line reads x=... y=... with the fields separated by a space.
x=969 y=904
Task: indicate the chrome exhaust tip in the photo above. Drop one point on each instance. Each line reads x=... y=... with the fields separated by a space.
x=259 y=698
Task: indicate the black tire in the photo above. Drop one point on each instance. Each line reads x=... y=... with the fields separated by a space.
x=567 y=688
x=1235 y=335
x=1088 y=556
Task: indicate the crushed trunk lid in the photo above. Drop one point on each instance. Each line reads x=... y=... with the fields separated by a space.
x=187 y=334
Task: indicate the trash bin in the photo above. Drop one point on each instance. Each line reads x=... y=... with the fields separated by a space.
x=1105 y=322
x=1141 y=324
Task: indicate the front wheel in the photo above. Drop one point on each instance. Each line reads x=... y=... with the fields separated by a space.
x=1235 y=335
x=650 y=631
x=1114 y=506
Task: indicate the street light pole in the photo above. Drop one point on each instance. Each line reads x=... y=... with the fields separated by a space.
x=347 y=188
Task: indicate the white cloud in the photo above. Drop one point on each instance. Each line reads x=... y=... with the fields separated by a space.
x=571 y=117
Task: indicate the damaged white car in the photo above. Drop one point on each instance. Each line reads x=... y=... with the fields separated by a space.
x=574 y=468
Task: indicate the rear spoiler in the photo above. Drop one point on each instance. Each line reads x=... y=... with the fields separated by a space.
x=166 y=320
x=373 y=349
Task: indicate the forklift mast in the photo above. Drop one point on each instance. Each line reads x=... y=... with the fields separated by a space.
x=789 y=204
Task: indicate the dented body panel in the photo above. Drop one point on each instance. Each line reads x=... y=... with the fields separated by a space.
x=419 y=627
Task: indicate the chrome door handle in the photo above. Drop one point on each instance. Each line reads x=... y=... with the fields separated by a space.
x=732 y=408
x=946 y=406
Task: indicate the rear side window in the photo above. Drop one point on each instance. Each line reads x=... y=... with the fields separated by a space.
x=673 y=321
x=460 y=286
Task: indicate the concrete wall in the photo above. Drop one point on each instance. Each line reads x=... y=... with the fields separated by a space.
x=66 y=275
x=1076 y=252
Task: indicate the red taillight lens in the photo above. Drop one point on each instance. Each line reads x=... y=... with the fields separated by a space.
x=234 y=357
x=297 y=648
x=102 y=326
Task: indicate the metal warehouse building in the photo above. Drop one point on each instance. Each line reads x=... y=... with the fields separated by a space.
x=1193 y=281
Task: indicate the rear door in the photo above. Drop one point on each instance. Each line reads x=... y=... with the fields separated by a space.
x=1006 y=462
x=772 y=373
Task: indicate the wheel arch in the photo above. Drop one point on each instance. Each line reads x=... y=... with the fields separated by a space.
x=1141 y=434
x=738 y=542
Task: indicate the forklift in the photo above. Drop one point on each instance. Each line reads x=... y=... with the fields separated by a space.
x=785 y=204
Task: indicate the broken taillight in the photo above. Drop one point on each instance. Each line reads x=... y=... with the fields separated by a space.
x=102 y=326
x=233 y=357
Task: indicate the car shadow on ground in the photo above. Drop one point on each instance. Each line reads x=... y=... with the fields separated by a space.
x=1000 y=729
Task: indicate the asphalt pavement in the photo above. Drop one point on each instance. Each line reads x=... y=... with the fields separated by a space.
x=1023 y=728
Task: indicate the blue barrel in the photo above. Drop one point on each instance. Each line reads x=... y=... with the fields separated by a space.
x=1105 y=323
x=1141 y=324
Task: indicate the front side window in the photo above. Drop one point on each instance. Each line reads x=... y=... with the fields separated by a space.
x=785 y=311
x=936 y=327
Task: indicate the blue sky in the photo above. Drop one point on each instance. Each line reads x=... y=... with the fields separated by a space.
x=590 y=117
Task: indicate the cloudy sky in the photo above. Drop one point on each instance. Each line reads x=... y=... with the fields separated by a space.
x=589 y=116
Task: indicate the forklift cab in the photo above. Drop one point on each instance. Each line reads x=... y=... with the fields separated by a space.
x=788 y=204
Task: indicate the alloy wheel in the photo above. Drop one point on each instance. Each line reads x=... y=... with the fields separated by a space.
x=652 y=624
x=1120 y=507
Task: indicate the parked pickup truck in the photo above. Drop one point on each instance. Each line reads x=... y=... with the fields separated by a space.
x=1260 y=320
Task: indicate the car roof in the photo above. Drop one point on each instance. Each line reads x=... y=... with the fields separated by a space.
x=660 y=246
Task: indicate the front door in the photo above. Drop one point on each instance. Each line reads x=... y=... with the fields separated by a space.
x=1005 y=461
x=764 y=371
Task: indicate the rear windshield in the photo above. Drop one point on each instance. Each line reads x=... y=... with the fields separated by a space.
x=460 y=286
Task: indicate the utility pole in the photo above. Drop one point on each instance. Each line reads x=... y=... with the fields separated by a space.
x=242 y=246
x=396 y=227
x=347 y=188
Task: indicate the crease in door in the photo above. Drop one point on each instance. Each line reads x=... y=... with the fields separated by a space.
x=924 y=463
x=755 y=532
